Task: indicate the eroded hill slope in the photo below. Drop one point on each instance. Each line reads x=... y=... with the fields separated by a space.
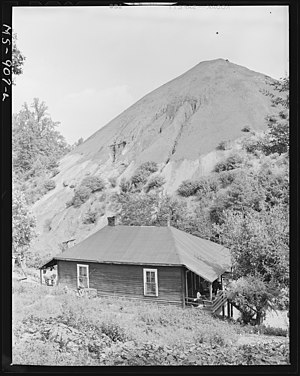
x=178 y=125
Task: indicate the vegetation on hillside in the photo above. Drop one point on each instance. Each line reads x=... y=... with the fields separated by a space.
x=243 y=204
x=87 y=186
x=37 y=147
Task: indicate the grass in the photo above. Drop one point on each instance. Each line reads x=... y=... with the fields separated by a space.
x=52 y=327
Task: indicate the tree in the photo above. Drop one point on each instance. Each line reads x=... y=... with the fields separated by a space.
x=37 y=145
x=138 y=209
x=154 y=182
x=277 y=136
x=18 y=58
x=259 y=244
x=142 y=173
x=23 y=224
x=252 y=296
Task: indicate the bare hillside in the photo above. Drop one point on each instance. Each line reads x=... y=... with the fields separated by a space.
x=178 y=125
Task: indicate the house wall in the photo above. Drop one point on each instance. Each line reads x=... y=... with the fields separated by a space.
x=126 y=280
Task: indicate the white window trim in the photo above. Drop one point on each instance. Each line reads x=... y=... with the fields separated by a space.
x=88 y=275
x=145 y=281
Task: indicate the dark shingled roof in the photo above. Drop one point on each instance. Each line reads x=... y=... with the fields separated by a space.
x=153 y=246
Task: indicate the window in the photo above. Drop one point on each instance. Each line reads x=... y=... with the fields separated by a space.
x=83 y=276
x=150 y=282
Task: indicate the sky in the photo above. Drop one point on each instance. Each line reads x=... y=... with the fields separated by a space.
x=89 y=64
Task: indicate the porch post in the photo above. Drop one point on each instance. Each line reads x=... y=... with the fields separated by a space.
x=41 y=277
x=210 y=290
x=183 y=287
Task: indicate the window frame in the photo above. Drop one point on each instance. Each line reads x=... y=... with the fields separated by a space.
x=88 y=274
x=145 y=270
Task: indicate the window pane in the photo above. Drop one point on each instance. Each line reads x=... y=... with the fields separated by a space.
x=82 y=271
x=150 y=289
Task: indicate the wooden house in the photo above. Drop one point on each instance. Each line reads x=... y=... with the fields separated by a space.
x=161 y=264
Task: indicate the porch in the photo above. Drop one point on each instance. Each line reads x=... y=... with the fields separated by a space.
x=210 y=296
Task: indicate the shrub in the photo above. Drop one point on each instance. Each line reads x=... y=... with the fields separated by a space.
x=246 y=128
x=35 y=260
x=187 y=188
x=227 y=177
x=49 y=185
x=141 y=174
x=69 y=203
x=232 y=162
x=81 y=195
x=266 y=330
x=113 y=331
x=90 y=216
x=139 y=178
x=208 y=184
x=222 y=145
x=94 y=183
x=149 y=166
x=55 y=172
x=125 y=185
x=155 y=182
x=87 y=186
x=192 y=187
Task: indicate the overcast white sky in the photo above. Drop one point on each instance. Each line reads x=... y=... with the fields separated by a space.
x=88 y=64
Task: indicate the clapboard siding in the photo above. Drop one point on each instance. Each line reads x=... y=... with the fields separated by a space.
x=125 y=280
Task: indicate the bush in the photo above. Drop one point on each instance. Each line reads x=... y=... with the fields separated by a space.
x=246 y=128
x=266 y=330
x=81 y=195
x=125 y=185
x=35 y=260
x=90 y=216
x=49 y=185
x=203 y=185
x=188 y=188
x=222 y=145
x=141 y=174
x=55 y=172
x=149 y=166
x=227 y=177
x=113 y=331
x=155 y=182
x=139 y=178
x=88 y=185
x=232 y=162
x=94 y=183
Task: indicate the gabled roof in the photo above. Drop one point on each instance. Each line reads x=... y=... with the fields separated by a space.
x=153 y=246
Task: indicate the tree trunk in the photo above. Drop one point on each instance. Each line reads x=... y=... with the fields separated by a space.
x=259 y=316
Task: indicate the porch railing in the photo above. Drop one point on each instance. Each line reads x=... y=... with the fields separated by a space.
x=210 y=305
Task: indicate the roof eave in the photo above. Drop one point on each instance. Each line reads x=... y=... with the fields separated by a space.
x=114 y=262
